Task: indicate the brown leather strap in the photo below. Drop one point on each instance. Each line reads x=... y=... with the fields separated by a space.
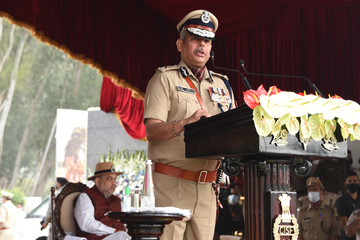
x=197 y=93
x=199 y=177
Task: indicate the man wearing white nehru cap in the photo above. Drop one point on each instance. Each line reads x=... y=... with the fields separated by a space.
x=8 y=213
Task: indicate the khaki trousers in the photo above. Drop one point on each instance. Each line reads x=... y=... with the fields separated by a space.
x=7 y=234
x=184 y=194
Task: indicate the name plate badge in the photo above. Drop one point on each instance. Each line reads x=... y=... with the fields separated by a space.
x=187 y=90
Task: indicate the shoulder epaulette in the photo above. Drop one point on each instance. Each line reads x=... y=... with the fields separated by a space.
x=329 y=206
x=167 y=68
x=219 y=75
x=303 y=207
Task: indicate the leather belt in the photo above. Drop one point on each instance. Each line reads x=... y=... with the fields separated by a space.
x=199 y=177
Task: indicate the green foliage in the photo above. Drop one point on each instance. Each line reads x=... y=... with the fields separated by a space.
x=59 y=92
x=18 y=195
x=132 y=164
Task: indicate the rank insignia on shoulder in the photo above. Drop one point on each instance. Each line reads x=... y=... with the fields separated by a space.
x=166 y=68
x=184 y=72
x=218 y=75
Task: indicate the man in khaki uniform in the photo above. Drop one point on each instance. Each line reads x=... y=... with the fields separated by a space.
x=317 y=220
x=177 y=96
x=8 y=213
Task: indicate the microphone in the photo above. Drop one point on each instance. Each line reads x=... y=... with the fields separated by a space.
x=312 y=85
x=244 y=80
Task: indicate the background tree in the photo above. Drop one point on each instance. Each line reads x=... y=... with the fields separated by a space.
x=46 y=80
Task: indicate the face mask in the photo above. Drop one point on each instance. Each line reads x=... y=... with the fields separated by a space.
x=353 y=187
x=234 y=199
x=314 y=196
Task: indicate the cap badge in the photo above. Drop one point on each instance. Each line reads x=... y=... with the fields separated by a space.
x=112 y=169
x=205 y=17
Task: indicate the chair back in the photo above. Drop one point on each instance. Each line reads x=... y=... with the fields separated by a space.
x=63 y=213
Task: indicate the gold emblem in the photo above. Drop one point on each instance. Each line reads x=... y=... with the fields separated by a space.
x=330 y=143
x=280 y=138
x=286 y=223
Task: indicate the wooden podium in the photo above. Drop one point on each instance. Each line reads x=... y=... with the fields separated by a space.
x=266 y=168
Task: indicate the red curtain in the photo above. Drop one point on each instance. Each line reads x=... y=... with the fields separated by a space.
x=128 y=40
x=129 y=109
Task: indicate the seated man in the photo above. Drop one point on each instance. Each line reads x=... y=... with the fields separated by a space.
x=317 y=220
x=94 y=202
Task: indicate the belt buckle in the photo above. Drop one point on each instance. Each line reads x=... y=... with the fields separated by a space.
x=199 y=180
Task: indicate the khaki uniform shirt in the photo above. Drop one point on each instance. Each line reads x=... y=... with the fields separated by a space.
x=318 y=224
x=8 y=213
x=354 y=217
x=164 y=101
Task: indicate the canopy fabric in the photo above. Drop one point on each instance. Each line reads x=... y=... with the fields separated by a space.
x=128 y=110
x=127 y=40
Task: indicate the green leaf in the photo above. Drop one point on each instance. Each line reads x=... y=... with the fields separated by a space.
x=317 y=127
x=263 y=122
x=352 y=138
x=356 y=133
x=350 y=127
x=293 y=125
x=276 y=128
x=330 y=127
x=344 y=129
x=285 y=118
x=304 y=126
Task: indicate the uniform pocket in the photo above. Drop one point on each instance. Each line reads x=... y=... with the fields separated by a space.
x=307 y=225
x=188 y=103
x=326 y=225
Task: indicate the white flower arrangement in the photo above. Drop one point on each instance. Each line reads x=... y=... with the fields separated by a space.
x=310 y=116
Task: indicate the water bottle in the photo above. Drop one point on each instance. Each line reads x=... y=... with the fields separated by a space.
x=148 y=198
x=127 y=200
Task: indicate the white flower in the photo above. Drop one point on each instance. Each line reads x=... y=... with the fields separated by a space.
x=350 y=112
x=334 y=109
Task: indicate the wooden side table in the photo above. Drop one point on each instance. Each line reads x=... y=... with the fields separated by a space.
x=145 y=225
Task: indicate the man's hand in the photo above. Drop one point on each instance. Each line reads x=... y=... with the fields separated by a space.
x=157 y=130
x=196 y=116
x=43 y=226
x=351 y=229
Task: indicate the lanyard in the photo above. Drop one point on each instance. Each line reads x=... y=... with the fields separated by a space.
x=197 y=93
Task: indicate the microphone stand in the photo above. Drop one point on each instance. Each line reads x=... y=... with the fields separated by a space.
x=244 y=80
x=312 y=85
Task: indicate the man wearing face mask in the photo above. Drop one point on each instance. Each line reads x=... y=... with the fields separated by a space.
x=348 y=202
x=317 y=220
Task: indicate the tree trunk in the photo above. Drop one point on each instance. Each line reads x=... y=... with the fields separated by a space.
x=28 y=124
x=8 y=51
x=37 y=176
x=40 y=187
x=78 y=77
x=3 y=60
x=1 y=27
x=11 y=90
